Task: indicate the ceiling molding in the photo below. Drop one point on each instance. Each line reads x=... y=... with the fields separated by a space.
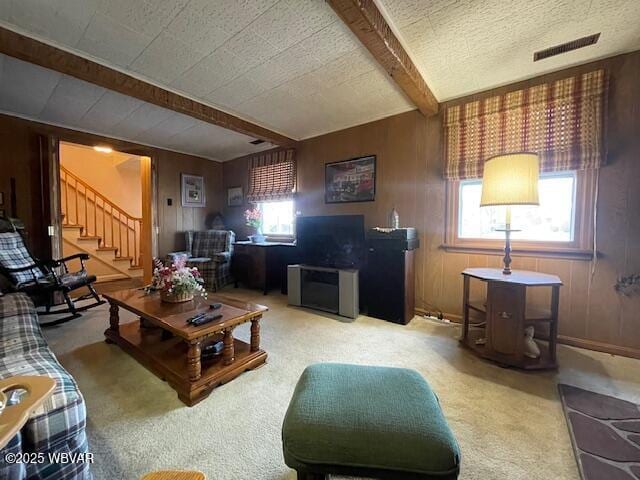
x=368 y=24
x=33 y=51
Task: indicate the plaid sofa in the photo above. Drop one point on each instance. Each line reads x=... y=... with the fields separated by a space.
x=210 y=251
x=58 y=426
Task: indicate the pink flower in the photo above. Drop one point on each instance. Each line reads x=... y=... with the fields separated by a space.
x=253 y=217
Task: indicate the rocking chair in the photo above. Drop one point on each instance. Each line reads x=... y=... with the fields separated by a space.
x=39 y=279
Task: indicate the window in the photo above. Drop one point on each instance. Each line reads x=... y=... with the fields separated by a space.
x=552 y=221
x=561 y=226
x=278 y=218
x=561 y=121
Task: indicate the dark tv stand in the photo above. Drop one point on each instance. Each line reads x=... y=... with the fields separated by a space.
x=332 y=290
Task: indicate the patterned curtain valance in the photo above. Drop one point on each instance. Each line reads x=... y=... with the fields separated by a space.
x=272 y=176
x=561 y=121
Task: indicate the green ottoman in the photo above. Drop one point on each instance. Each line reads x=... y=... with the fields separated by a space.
x=367 y=421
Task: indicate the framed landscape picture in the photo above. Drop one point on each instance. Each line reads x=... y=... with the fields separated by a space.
x=350 y=180
x=192 y=190
x=235 y=198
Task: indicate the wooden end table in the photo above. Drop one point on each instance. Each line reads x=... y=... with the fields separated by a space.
x=506 y=316
x=173 y=351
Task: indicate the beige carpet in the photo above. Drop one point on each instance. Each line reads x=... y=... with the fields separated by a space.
x=509 y=424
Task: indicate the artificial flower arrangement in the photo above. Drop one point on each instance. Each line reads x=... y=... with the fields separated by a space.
x=253 y=219
x=178 y=283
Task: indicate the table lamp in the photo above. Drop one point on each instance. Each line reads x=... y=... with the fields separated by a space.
x=510 y=179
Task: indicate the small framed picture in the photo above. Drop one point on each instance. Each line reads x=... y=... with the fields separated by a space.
x=192 y=191
x=235 y=197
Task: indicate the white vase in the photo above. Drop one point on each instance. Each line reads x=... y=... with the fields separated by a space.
x=258 y=237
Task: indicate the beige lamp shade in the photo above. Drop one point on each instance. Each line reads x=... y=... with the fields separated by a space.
x=510 y=179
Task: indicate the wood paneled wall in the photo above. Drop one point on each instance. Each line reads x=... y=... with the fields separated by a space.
x=235 y=173
x=20 y=159
x=592 y=313
x=20 y=153
x=409 y=178
x=174 y=220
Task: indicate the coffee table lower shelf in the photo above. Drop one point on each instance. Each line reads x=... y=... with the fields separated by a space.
x=167 y=358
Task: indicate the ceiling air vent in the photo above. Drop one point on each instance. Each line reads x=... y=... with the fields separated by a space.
x=566 y=47
x=256 y=142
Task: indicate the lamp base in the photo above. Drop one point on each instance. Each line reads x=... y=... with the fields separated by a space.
x=507 y=248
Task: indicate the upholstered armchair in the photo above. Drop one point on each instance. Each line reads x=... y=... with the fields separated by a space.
x=210 y=251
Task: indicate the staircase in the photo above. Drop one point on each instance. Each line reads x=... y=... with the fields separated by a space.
x=93 y=224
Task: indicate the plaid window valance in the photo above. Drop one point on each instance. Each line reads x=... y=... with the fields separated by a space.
x=562 y=121
x=272 y=176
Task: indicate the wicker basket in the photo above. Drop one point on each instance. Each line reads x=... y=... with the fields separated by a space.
x=173 y=298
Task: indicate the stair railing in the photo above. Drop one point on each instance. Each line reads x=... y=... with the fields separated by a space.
x=99 y=217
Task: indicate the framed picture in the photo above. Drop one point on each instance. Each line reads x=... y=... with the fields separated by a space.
x=235 y=197
x=192 y=191
x=350 y=180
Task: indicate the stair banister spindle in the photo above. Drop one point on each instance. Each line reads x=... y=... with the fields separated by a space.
x=95 y=216
x=75 y=194
x=135 y=246
x=66 y=194
x=104 y=228
x=120 y=232
x=113 y=237
x=86 y=212
x=127 y=232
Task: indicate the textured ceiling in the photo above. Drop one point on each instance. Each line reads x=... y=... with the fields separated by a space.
x=40 y=94
x=466 y=46
x=291 y=65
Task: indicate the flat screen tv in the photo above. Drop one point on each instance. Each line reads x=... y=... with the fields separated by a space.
x=331 y=241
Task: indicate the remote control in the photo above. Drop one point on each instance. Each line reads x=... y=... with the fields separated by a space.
x=201 y=321
x=196 y=317
x=213 y=348
x=215 y=306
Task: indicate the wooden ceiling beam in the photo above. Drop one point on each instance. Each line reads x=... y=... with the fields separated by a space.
x=39 y=53
x=365 y=20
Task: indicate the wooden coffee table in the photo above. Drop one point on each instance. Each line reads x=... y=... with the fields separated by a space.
x=173 y=351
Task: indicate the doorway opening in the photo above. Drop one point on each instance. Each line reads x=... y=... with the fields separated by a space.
x=101 y=195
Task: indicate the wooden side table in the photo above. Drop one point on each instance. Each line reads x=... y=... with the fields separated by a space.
x=506 y=316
